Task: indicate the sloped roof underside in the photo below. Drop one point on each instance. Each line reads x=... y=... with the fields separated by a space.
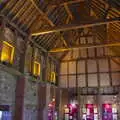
x=33 y=15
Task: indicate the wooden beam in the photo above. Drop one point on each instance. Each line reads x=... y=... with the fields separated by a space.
x=117 y=62
x=64 y=54
x=92 y=73
x=90 y=58
x=85 y=47
x=10 y=70
x=68 y=11
x=68 y=2
x=25 y=35
x=76 y=26
x=68 y=76
x=67 y=20
x=44 y=50
x=20 y=87
x=95 y=91
x=14 y=26
x=110 y=72
x=19 y=98
x=44 y=15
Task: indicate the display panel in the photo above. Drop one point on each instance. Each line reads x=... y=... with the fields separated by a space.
x=84 y=113
x=90 y=112
x=107 y=112
x=114 y=112
x=95 y=112
x=66 y=112
x=0 y=115
x=36 y=70
x=71 y=111
x=110 y=112
x=7 y=52
x=5 y=115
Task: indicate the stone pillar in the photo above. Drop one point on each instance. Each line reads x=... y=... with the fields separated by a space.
x=19 y=102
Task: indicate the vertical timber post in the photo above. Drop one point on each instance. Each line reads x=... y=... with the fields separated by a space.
x=2 y=23
x=42 y=90
x=41 y=101
x=20 y=86
x=98 y=80
x=77 y=91
x=68 y=80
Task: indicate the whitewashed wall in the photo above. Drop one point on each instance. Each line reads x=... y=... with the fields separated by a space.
x=92 y=80
x=89 y=66
x=81 y=81
x=81 y=66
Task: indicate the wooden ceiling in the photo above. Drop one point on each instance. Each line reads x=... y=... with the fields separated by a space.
x=34 y=15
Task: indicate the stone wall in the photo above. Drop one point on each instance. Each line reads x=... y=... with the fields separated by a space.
x=7 y=89
x=30 y=100
x=8 y=79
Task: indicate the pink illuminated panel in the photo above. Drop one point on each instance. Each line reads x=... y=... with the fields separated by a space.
x=91 y=112
x=109 y=112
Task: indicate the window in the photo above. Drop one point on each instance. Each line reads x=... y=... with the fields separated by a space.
x=36 y=70
x=7 y=52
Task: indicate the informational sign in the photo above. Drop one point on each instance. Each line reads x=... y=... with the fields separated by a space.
x=67 y=110
x=95 y=112
x=5 y=115
x=53 y=77
x=114 y=108
x=71 y=111
x=114 y=112
x=107 y=112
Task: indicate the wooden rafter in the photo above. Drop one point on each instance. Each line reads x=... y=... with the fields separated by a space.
x=25 y=35
x=85 y=46
x=44 y=15
x=77 y=26
x=107 y=10
x=68 y=11
x=61 y=3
